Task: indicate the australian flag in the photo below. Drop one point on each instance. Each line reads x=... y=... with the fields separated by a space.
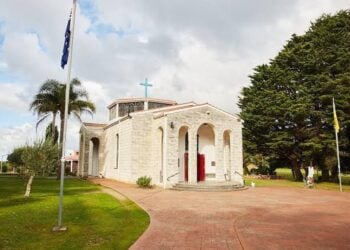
x=65 y=54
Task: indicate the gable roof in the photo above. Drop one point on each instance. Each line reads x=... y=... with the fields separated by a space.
x=166 y=112
x=160 y=112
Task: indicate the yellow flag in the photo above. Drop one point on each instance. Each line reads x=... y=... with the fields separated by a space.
x=336 y=123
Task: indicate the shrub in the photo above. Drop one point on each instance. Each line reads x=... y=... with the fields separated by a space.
x=4 y=169
x=144 y=181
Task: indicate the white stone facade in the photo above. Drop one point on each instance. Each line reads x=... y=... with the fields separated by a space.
x=154 y=143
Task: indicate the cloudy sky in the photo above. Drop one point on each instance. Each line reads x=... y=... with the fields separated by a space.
x=200 y=50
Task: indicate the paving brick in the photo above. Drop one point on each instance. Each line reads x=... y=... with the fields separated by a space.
x=259 y=218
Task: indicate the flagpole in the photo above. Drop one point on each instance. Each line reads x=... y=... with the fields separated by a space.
x=337 y=144
x=60 y=209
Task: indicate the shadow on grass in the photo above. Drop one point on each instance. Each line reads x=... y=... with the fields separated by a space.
x=94 y=219
x=18 y=201
x=12 y=190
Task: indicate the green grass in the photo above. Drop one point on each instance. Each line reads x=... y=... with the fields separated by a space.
x=94 y=219
x=287 y=181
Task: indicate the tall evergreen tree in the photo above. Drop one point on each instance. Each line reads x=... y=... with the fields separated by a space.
x=287 y=109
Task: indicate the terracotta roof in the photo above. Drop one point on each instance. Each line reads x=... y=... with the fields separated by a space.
x=140 y=99
x=73 y=157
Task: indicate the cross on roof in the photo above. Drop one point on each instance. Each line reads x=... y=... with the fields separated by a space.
x=146 y=84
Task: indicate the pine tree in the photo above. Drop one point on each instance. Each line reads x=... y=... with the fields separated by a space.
x=287 y=109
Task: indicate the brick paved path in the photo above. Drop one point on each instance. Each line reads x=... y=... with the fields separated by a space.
x=259 y=218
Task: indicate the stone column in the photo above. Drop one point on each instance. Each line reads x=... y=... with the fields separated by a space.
x=86 y=153
x=192 y=156
x=219 y=155
x=165 y=153
x=237 y=154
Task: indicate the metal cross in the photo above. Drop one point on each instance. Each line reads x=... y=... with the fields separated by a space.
x=146 y=84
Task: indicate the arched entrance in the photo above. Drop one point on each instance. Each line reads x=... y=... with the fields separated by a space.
x=227 y=155
x=160 y=149
x=94 y=149
x=206 y=162
x=183 y=154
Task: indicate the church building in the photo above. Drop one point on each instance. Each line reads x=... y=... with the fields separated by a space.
x=170 y=142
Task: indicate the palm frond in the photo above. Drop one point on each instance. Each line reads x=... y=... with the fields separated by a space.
x=85 y=110
x=77 y=115
x=40 y=120
x=78 y=105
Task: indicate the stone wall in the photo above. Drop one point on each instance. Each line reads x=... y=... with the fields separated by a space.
x=120 y=170
x=142 y=141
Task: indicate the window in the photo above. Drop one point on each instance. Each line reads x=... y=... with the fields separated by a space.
x=186 y=142
x=117 y=153
x=112 y=112
x=125 y=108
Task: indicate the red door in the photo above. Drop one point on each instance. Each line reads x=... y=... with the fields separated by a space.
x=186 y=166
x=200 y=167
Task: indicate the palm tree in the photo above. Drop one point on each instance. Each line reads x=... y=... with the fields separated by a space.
x=51 y=100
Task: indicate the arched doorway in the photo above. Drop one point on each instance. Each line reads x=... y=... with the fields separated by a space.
x=206 y=162
x=94 y=157
x=183 y=154
x=227 y=155
x=160 y=149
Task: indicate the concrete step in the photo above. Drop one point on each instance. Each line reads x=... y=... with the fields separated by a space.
x=209 y=187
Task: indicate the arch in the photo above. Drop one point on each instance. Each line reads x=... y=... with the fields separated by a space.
x=227 y=154
x=94 y=148
x=206 y=152
x=205 y=123
x=160 y=156
x=183 y=153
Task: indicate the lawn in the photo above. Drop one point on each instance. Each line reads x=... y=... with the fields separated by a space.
x=94 y=219
x=287 y=181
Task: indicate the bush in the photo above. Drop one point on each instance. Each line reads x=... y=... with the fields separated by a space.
x=4 y=169
x=144 y=182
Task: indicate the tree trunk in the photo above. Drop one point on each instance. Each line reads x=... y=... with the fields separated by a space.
x=334 y=174
x=325 y=174
x=53 y=126
x=29 y=186
x=61 y=129
x=298 y=176
x=306 y=169
x=60 y=143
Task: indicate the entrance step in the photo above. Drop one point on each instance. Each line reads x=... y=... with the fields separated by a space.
x=209 y=186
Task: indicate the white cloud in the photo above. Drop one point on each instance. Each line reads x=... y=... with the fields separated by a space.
x=101 y=97
x=199 y=76
x=197 y=50
x=15 y=136
x=3 y=66
x=13 y=97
